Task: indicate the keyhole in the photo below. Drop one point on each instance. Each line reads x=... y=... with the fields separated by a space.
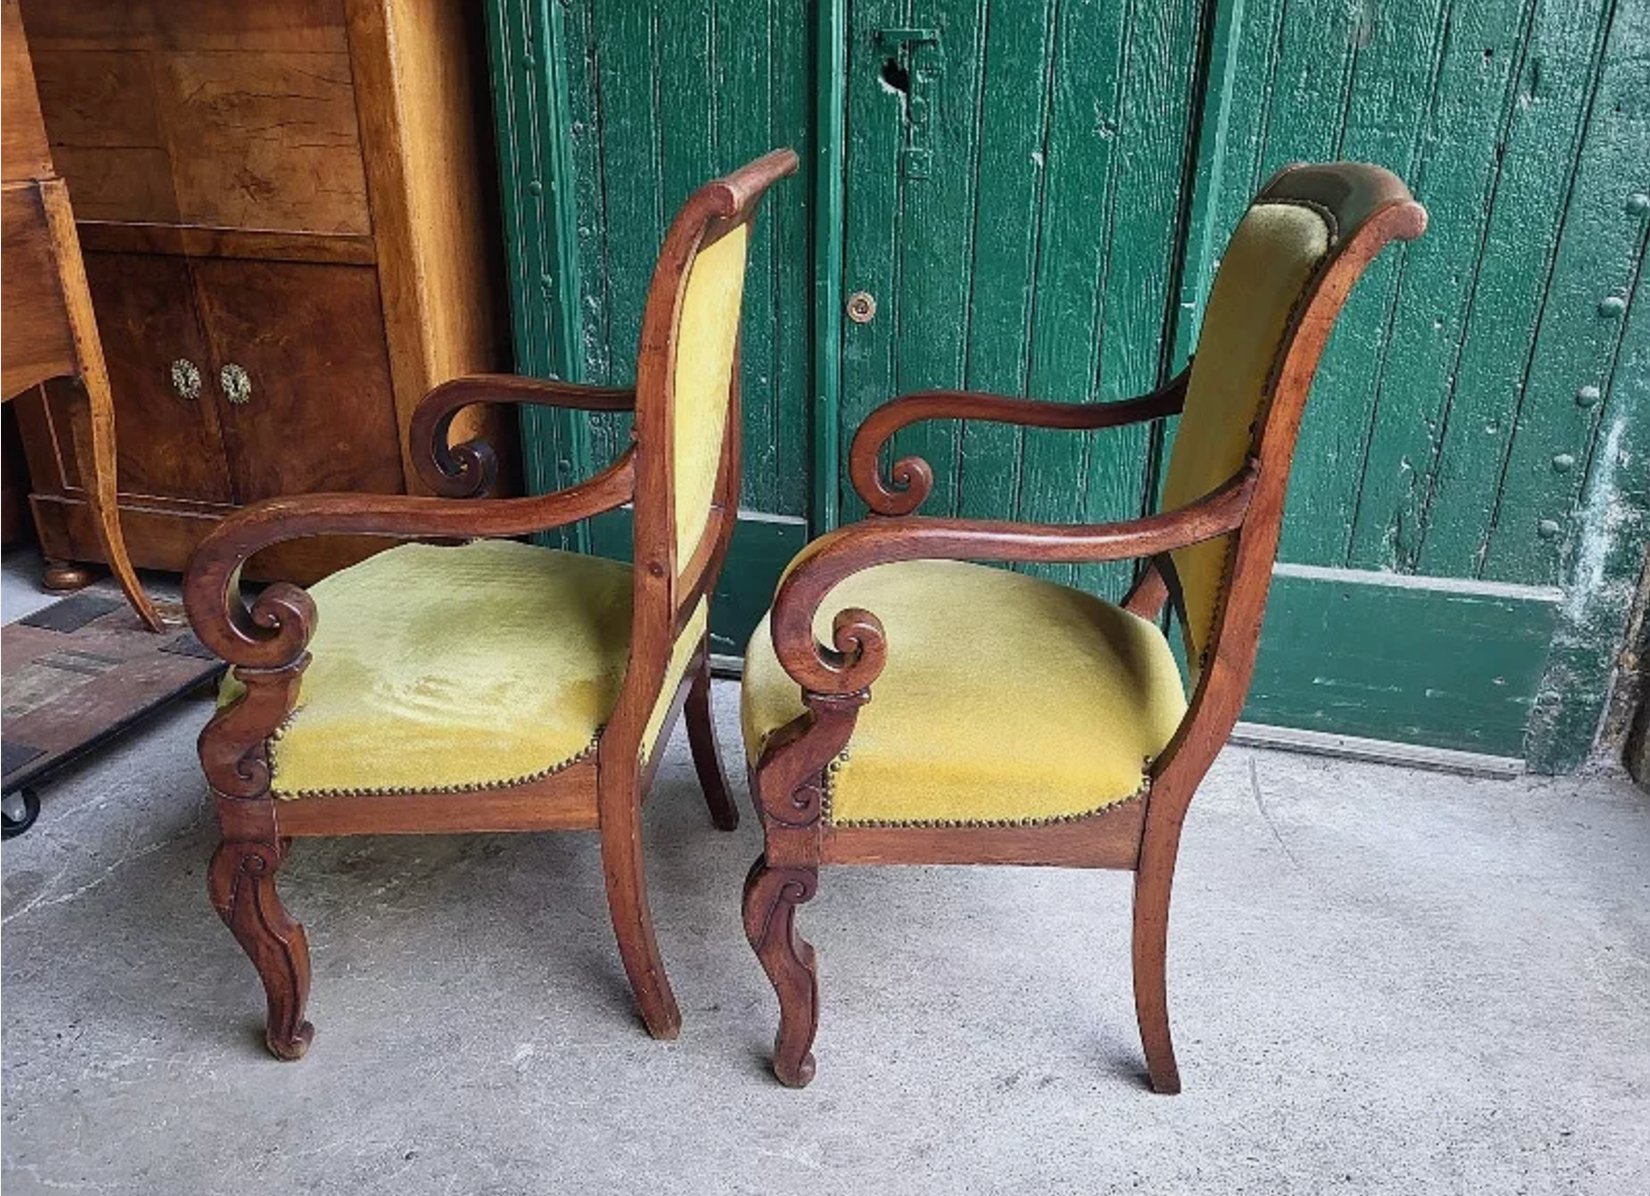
x=895 y=77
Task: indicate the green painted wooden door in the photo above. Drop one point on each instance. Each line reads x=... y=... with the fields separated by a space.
x=610 y=114
x=1466 y=519
x=1034 y=194
x=1014 y=194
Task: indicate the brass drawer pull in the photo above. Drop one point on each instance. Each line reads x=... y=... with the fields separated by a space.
x=236 y=383
x=186 y=379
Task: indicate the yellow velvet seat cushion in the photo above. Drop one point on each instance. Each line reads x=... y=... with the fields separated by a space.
x=1006 y=699
x=441 y=668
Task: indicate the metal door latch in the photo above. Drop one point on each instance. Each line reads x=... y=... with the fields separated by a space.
x=915 y=70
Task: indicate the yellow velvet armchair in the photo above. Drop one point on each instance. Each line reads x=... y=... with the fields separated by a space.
x=901 y=705
x=490 y=685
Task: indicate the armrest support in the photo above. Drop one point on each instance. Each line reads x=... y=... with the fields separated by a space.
x=275 y=631
x=859 y=649
x=912 y=478
x=466 y=470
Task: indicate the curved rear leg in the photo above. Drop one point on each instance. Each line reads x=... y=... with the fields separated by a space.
x=626 y=879
x=771 y=898
x=707 y=762
x=1151 y=999
x=241 y=882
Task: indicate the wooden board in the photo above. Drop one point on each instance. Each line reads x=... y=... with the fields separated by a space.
x=82 y=670
x=204 y=113
x=1415 y=660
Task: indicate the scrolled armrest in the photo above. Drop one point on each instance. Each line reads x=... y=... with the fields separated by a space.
x=911 y=479
x=275 y=631
x=859 y=649
x=466 y=470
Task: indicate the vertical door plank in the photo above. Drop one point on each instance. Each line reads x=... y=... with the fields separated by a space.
x=1013 y=135
x=1488 y=387
x=787 y=215
x=1458 y=175
x=936 y=241
x=1258 y=42
x=1316 y=47
x=742 y=99
x=582 y=54
x=1599 y=255
x=628 y=82
x=871 y=213
x=1397 y=53
x=1089 y=45
x=551 y=448
x=1140 y=263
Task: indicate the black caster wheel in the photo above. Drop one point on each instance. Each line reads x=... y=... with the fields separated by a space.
x=18 y=810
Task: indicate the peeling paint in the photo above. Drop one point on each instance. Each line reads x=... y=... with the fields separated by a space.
x=1604 y=513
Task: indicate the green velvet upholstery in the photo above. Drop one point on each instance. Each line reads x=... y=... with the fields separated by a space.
x=707 y=339
x=1262 y=280
x=1006 y=699
x=455 y=669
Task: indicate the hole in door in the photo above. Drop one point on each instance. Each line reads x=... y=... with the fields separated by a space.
x=895 y=78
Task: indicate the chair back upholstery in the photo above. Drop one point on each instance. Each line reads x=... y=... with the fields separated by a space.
x=704 y=387
x=687 y=374
x=687 y=424
x=1287 y=270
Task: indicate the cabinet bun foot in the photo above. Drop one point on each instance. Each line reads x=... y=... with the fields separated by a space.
x=66 y=575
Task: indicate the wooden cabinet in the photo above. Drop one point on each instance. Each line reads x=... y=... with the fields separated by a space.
x=286 y=214
x=283 y=359
x=168 y=446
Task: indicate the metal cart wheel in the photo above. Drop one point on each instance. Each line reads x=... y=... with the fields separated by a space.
x=18 y=810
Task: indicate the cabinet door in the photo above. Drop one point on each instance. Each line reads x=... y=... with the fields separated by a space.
x=165 y=422
x=301 y=375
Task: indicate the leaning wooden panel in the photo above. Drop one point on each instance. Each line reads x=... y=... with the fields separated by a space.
x=49 y=329
x=429 y=177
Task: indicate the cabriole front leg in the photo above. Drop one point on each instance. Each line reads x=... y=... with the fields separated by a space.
x=789 y=783
x=234 y=750
x=771 y=898
x=241 y=882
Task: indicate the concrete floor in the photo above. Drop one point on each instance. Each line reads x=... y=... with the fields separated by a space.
x=1382 y=980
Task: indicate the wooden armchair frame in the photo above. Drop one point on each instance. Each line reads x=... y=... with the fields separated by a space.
x=1366 y=208
x=267 y=643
